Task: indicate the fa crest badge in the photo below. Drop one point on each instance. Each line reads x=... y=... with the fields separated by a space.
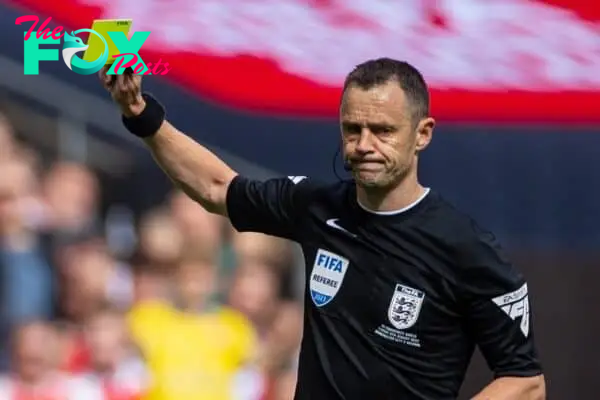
x=405 y=307
x=327 y=276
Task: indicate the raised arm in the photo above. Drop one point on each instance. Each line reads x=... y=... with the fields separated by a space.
x=192 y=167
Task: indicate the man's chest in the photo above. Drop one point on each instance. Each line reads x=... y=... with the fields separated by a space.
x=394 y=290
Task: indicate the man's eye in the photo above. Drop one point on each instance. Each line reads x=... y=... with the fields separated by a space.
x=383 y=129
x=352 y=128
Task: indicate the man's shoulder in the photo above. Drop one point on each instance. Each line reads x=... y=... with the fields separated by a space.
x=317 y=184
x=321 y=191
x=455 y=227
x=297 y=182
x=472 y=246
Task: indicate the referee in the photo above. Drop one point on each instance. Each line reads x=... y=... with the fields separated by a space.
x=401 y=286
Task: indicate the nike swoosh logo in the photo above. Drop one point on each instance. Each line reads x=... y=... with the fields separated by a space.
x=333 y=224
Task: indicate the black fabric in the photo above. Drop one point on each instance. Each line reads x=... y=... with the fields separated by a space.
x=394 y=304
x=149 y=121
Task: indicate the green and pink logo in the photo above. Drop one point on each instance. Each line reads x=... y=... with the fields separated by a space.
x=128 y=56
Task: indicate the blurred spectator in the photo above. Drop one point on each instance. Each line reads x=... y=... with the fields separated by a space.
x=200 y=229
x=255 y=292
x=196 y=283
x=7 y=141
x=89 y=278
x=282 y=341
x=161 y=240
x=276 y=253
x=152 y=313
x=158 y=324
x=71 y=194
x=33 y=374
x=27 y=281
x=203 y=233
x=116 y=367
x=250 y=246
x=82 y=272
x=197 y=349
x=285 y=385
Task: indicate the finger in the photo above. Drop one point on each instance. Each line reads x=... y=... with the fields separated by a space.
x=133 y=88
x=135 y=83
x=109 y=80
x=104 y=77
x=104 y=80
x=114 y=87
x=122 y=83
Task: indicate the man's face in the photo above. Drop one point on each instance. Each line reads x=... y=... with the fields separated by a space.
x=105 y=334
x=33 y=351
x=380 y=140
x=16 y=187
x=196 y=282
x=254 y=291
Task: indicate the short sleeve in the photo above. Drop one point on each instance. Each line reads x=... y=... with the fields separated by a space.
x=274 y=207
x=498 y=311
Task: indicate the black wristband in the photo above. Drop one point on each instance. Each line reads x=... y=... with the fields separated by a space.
x=149 y=121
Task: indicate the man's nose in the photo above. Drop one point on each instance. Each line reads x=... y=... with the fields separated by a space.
x=365 y=142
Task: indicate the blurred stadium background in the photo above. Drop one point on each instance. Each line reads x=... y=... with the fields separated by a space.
x=109 y=274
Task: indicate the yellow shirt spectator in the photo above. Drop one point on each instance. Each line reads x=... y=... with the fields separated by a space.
x=192 y=356
x=149 y=321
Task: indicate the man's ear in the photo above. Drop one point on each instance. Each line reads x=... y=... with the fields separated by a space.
x=424 y=133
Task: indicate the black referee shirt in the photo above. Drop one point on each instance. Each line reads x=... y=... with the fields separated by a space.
x=394 y=302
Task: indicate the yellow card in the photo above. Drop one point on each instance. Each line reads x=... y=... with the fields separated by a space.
x=103 y=26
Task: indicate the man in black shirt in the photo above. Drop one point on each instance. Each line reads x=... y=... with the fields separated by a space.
x=401 y=286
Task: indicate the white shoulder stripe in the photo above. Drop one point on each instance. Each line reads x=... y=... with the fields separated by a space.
x=516 y=305
x=296 y=179
x=511 y=297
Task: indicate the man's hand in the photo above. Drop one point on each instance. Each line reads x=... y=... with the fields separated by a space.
x=126 y=91
x=515 y=388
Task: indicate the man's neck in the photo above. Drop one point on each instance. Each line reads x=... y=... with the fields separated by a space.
x=401 y=196
x=196 y=307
